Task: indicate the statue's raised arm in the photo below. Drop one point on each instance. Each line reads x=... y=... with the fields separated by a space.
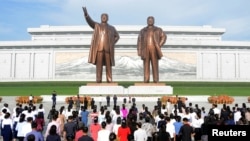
x=85 y=11
x=90 y=22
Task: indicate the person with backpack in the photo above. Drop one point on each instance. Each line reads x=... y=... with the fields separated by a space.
x=40 y=122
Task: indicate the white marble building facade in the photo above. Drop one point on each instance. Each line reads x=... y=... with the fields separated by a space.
x=61 y=52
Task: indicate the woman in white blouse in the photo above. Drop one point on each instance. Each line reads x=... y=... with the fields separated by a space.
x=7 y=127
x=19 y=128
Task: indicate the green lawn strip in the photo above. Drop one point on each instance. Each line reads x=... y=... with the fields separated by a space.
x=36 y=91
x=72 y=88
x=231 y=91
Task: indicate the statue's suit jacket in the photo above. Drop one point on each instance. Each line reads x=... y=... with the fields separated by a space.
x=159 y=40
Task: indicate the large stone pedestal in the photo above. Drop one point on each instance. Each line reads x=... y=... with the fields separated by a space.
x=101 y=88
x=137 y=89
x=150 y=89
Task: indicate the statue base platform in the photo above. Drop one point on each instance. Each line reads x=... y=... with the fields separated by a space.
x=149 y=84
x=101 y=88
x=102 y=84
x=150 y=89
x=137 y=89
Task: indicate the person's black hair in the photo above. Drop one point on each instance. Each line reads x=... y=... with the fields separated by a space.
x=55 y=116
x=52 y=130
x=167 y=118
x=29 y=119
x=139 y=124
x=147 y=119
x=61 y=109
x=4 y=110
x=185 y=119
x=40 y=106
x=124 y=123
x=108 y=119
x=31 y=137
x=85 y=129
x=22 y=118
x=112 y=136
x=33 y=125
x=70 y=117
x=178 y=118
x=6 y=105
x=118 y=120
x=95 y=120
x=7 y=115
x=103 y=124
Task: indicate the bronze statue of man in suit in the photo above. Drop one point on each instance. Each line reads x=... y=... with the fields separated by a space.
x=102 y=46
x=150 y=41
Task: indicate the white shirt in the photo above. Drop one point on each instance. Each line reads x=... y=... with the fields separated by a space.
x=237 y=116
x=196 y=123
x=103 y=135
x=41 y=110
x=29 y=115
x=101 y=118
x=216 y=111
x=49 y=126
x=170 y=129
x=7 y=122
x=140 y=135
x=168 y=106
x=115 y=128
x=114 y=118
x=163 y=111
x=8 y=110
x=193 y=116
x=20 y=129
x=26 y=128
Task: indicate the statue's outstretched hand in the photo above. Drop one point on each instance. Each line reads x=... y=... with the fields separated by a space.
x=85 y=11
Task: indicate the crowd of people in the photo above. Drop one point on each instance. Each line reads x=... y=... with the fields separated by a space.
x=121 y=122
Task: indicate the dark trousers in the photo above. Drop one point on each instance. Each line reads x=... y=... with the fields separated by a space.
x=177 y=138
x=150 y=139
x=54 y=102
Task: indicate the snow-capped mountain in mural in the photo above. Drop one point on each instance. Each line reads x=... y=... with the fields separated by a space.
x=126 y=68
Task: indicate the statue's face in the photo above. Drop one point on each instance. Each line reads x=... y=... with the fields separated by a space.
x=104 y=18
x=151 y=21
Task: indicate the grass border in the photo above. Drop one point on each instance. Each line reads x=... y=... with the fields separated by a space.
x=72 y=87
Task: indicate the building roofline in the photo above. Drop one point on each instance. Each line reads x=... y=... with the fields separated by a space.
x=127 y=28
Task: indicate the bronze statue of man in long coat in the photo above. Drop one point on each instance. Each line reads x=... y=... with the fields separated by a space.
x=150 y=41
x=102 y=46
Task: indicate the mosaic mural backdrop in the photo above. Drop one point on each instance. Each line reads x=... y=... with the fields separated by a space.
x=128 y=66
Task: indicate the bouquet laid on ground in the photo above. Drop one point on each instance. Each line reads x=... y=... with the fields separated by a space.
x=25 y=99
x=221 y=99
x=172 y=99
x=74 y=98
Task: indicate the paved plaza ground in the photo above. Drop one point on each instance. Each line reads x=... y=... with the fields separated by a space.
x=150 y=102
